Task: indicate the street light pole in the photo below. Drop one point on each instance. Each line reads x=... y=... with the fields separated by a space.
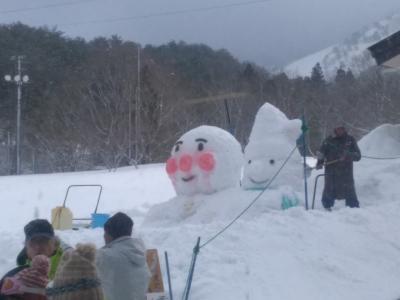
x=19 y=81
x=129 y=130
x=19 y=85
x=137 y=111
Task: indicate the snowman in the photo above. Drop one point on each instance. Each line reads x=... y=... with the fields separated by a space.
x=205 y=160
x=272 y=138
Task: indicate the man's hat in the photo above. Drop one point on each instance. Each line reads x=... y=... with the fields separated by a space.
x=119 y=225
x=38 y=228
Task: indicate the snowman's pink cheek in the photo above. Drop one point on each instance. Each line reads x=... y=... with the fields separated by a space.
x=171 y=166
x=206 y=162
x=185 y=163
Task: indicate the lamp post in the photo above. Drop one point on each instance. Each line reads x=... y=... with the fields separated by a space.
x=19 y=80
x=137 y=110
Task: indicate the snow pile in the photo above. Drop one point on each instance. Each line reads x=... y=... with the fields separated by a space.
x=383 y=141
x=378 y=178
x=218 y=207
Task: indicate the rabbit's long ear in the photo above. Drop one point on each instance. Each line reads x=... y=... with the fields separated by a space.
x=272 y=123
x=293 y=130
x=87 y=251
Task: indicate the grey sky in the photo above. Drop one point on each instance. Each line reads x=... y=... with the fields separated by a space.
x=270 y=33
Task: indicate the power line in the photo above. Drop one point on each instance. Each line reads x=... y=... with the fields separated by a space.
x=54 y=5
x=167 y=13
x=380 y=158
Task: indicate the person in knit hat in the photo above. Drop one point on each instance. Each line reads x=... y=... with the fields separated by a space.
x=76 y=277
x=122 y=261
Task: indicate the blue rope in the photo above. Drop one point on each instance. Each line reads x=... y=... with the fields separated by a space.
x=196 y=251
x=252 y=203
x=380 y=158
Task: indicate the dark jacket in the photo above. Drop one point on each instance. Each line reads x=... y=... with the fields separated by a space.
x=338 y=154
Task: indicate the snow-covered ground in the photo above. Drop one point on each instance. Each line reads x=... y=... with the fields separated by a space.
x=24 y=197
x=268 y=254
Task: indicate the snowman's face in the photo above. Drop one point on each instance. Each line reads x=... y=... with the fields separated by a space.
x=262 y=162
x=190 y=166
x=199 y=160
x=259 y=171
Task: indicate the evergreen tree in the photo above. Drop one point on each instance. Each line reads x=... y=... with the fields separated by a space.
x=317 y=75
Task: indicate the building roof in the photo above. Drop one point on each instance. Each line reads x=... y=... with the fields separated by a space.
x=387 y=51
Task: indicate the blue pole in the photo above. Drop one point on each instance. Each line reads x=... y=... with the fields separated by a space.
x=304 y=130
x=196 y=251
x=171 y=297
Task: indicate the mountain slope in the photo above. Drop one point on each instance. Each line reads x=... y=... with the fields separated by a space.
x=351 y=53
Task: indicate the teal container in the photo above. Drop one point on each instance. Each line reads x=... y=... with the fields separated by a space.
x=288 y=202
x=98 y=220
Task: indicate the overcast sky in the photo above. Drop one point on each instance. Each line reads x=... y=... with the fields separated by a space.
x=271 y=33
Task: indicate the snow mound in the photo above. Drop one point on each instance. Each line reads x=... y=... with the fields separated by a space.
x=222 y=206
x=378 y=179
x=383 y=141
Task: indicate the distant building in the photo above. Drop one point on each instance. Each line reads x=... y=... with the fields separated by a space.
x=387 y=51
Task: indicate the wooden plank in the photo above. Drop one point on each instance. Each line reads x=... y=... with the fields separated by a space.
x=156 y=282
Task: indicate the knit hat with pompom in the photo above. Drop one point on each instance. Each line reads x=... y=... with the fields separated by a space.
x=76 y=276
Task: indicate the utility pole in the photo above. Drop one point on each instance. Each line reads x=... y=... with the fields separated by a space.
x=129 y=130
x=137 y=111
x=9 y=164
x=19 y=80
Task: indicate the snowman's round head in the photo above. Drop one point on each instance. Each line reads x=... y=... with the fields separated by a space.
x=205 y=160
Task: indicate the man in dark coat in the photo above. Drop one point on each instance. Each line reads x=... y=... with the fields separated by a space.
x=337 y=154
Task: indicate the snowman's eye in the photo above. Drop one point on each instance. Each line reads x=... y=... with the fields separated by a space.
x=177 y=146
x=272 y=161
x=201 y=142
x=249 y=161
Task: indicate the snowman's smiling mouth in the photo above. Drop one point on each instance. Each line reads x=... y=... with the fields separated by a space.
x=187 y=179
x=259 y=182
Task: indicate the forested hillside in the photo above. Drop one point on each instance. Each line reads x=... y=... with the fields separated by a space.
x=89 y=104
